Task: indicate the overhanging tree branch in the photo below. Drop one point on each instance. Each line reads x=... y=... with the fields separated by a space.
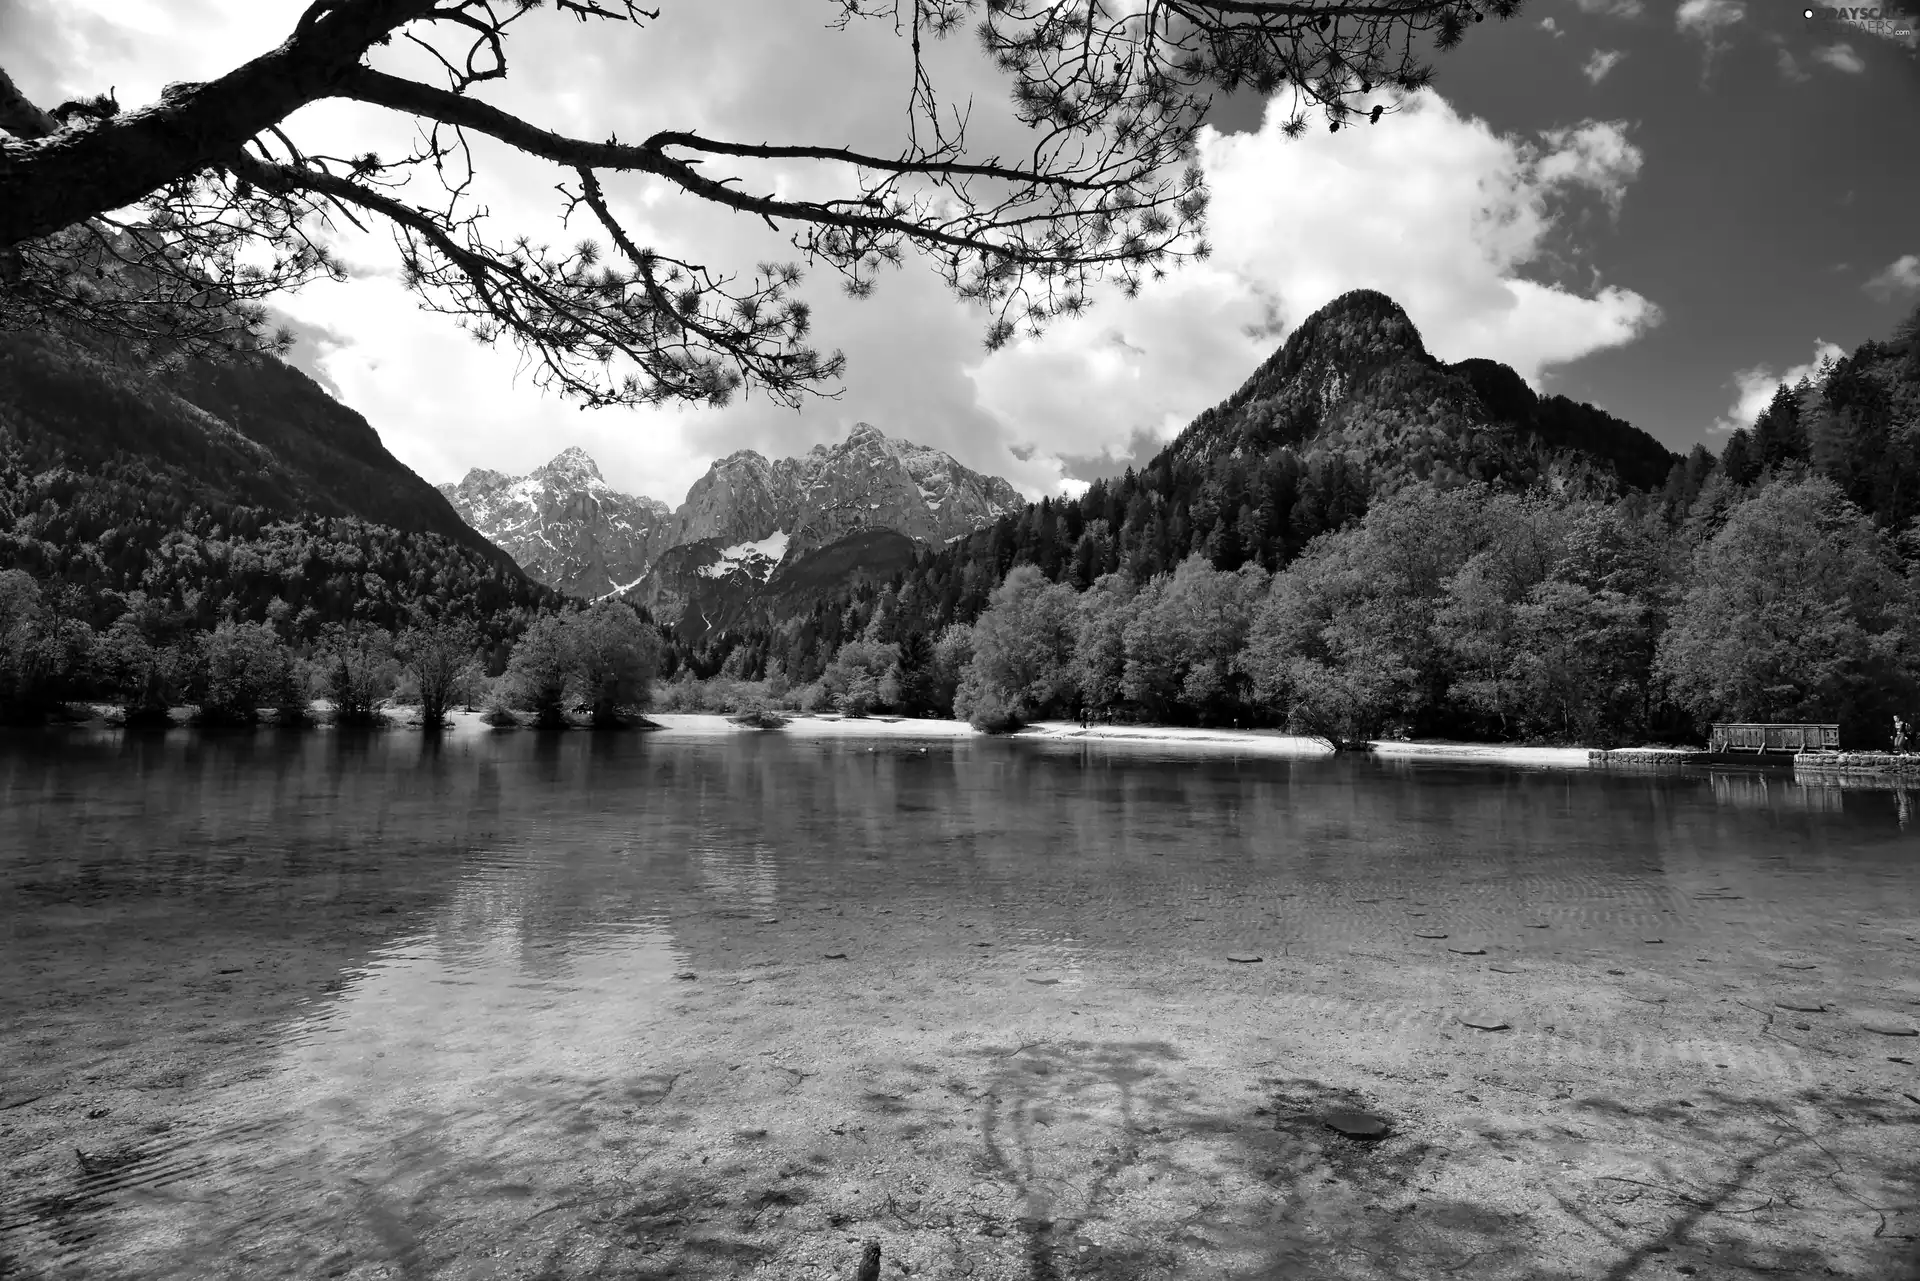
x=1111 y=94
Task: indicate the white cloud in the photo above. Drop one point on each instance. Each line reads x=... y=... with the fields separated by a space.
x=1613 y=8
x=1841 y=57
x=1901 y=276
x=1551 y=27
x=1438 y=211
x=1600 y=63
x=1755 y=386
x=1595 y=155
x=1790 y=67
x=1708 y=20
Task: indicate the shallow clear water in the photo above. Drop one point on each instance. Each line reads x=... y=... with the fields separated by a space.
x=334 y=1005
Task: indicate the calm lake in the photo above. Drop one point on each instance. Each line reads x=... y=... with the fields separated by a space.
x=682 y=1005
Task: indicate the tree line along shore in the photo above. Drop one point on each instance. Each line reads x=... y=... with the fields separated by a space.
x=1461 y=612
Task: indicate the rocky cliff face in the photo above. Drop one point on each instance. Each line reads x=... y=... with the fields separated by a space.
x=743 y=519
x=565 y=525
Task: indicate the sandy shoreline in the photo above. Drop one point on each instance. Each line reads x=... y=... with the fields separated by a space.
x=802 y=725
x=1265 y=742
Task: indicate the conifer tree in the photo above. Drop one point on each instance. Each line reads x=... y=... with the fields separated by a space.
x=231 y=209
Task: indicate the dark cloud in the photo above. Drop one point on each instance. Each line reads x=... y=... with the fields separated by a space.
x=1138 y=452
x=312 y=342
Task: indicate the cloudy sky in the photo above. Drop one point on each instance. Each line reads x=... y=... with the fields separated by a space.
x=1658 y=209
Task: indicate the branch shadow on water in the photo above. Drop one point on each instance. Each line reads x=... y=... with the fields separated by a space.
x=1181 y=1187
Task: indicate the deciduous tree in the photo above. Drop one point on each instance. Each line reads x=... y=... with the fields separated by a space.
x=1797 y=612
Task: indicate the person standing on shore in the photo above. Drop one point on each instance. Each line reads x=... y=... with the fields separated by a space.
x=1899 y=734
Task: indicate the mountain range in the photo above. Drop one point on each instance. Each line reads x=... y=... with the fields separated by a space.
x=745 y=519
x=109 y=464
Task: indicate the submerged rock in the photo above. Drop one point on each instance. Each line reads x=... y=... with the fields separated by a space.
x=1244 y=958
x=1463 y=949
x=1891 y=1029
x=1428 y=934
x=1485 y=1022
x=1357 y=1125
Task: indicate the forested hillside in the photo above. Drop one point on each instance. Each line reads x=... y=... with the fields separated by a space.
x=169 y=503
x=1361 y=541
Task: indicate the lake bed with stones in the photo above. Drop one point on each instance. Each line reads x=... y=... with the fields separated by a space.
x=558 y=1006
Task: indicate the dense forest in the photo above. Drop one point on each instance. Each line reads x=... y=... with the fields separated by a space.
x=228 y=536
x=1522 y=591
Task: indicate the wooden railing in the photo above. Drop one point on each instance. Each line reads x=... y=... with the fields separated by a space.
x=1729 y=737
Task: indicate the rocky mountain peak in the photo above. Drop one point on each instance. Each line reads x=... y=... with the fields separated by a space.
x=747 y=515
x=481 y=478
x=571 y=465
x=564 y=524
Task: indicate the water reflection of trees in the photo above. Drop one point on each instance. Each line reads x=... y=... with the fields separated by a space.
x=1757 y=791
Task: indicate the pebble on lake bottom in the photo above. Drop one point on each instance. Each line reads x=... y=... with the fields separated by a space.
x=1044 y=982
x=1428 y=934
x=1796 y=965
x=1244 y=958
x=1357 y=1125
x=836 y=956
x=1803 y=1007
x=1485 y=1022
x=1504 y=969
x=1653 y=940
x=1891 y=1029
x=1464 y=950
x=685 y=974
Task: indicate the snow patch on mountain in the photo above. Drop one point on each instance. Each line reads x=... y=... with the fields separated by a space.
x=759 y=558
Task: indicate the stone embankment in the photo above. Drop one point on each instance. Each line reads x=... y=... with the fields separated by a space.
x=1900 y=765
x=1647 y=756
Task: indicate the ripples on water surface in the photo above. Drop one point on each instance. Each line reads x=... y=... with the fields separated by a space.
x=347 y=1006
